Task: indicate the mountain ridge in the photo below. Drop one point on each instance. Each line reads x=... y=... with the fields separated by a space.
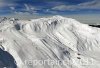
x=56 y=38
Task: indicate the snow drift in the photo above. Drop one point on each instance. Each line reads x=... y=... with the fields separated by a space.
x=54 y=38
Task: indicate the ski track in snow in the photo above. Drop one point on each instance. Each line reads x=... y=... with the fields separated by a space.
x=54 y=38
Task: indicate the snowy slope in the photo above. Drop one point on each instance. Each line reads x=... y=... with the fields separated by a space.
x=55 y=38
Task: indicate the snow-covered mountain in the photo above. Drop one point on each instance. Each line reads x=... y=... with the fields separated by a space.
x=74 y=44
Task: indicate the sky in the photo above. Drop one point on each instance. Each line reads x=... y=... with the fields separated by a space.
x=36 y=8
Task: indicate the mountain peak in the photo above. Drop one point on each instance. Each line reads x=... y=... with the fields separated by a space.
x=58 y=16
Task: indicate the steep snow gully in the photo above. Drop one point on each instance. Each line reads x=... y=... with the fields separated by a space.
x=55 y=42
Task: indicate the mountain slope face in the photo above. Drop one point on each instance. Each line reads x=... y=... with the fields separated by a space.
x=66 y=40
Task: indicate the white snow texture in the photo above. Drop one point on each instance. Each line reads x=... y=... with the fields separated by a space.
x=54 y=38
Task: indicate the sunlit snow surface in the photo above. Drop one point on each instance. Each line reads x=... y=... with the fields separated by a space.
x=55 y=38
